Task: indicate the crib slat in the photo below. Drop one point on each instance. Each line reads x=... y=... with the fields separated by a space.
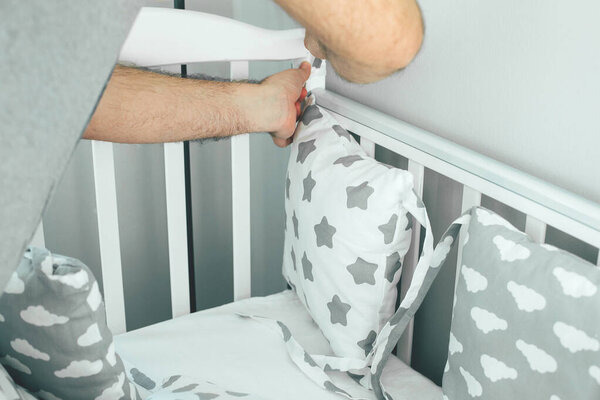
x=240 y=193
x=411 y=259
x=536 y=229
x=368 y=146
x=470 y=198
x=177 y=228
x=38 y=237
x=108 y=234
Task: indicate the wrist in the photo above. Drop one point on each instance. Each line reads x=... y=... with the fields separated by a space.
x=254 y=105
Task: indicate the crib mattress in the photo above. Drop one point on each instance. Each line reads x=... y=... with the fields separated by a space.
x=244 y=355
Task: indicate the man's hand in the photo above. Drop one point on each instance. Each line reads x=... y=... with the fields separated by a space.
x=283 y=93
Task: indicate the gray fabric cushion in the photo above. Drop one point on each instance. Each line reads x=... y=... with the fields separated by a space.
x=11 y=391
x=56 y=58
x=525 y=322
x=53 y=334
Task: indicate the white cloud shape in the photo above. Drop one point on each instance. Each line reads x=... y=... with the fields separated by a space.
x=537 y=358
x=441 y=251
x=16 y=364
x=574 y=339
x=554 y=397
x=447 y=366
x=549 y=247
x=454 y=346
x=91 y=336
x=495 y=369
x=94 y=298
x=2 y=318
x=487 y=321
x=42 y=394
x=15 y=285
x=573 y=284
x=115 y=391
x=474 y=280
x=526 y=298
x=509 y=250
x=76 y=280
x=594 y=372
x=39 y=316
x=22 y=346
x=473 y=386
x=78 y=369
x=466 y=240
x=111 y=356
x=487 y=218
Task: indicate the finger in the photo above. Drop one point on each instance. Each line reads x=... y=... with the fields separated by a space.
x=302 y=95
x=305 y=68
x=297 y=109
x=279 y=142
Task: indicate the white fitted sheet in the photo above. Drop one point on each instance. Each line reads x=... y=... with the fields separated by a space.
x=244 y=355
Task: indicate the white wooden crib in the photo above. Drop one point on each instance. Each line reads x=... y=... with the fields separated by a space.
x=170 y=37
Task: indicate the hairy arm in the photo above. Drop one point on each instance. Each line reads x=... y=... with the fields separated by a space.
x=364 y=40
x=140 y=106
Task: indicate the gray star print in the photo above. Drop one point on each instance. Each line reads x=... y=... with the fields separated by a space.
x=342 y=132
x=207 y=396
x=409 y=222
x=392 y=265
x=293 y=258
x=295 y=222
x=347 y=161
x=338 y=310
x=362 y=271
x=287 y=187
x=311 y=113
x=359 y=195
x=308 y=183
x=367 y=344
x=388 y=229
x=304 y=149
x=324 y=233
x=307 y=268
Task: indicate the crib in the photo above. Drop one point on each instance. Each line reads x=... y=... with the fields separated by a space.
x=544 y=205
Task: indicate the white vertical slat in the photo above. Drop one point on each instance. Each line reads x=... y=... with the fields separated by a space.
x=536 y=229
x=404 y=349
x=108 y=234
x=470 y=198
x=38 y=237
x=177 y=228
x=368 y=146
x=240 y=192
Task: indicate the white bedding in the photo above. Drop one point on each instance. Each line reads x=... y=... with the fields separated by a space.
x=244 y=355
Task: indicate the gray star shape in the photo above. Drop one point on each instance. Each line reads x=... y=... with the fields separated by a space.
x=409 y=222
x=342 y=132
x=362 y=271
x=359 y=195
x=392 y=265
x=311 y=113
x=186 y=388
x=308 y=183
x=236 y=394
x=317 y=63
x=367 y=344
x=287 y=187
x=307 y=268
x=324 y=233
x=293 y=258
x=338 y=310
x=388 y=229
x=347 y=161
x=295 y=222
x=207 y=396
x=304 y=149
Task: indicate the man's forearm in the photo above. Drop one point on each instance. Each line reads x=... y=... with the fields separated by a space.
x=145 y=107
x=364 y=40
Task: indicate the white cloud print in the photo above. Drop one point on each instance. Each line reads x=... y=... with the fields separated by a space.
x=495 y=369
x=24 y=347
x=454 y=346
x=115 y=391
x=441 y=251
x=574 y=339
x=78 y=369
x=473 y=386
x=487 y=218
x=474 y=280
x=573 y=284
x=594 y=372
x=526 y=298
x=39 y=316
x=537 y=358
x=487 y=321
x=509 y=250
x=15 y=285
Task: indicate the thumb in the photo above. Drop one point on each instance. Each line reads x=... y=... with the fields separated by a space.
x=304 y=71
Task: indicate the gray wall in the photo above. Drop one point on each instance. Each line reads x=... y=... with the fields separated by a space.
x=517 y=81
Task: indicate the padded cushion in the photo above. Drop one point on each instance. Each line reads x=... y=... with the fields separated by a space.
x=246 y=356
x=347 y=231
x=525 y=322
x=53 y=334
